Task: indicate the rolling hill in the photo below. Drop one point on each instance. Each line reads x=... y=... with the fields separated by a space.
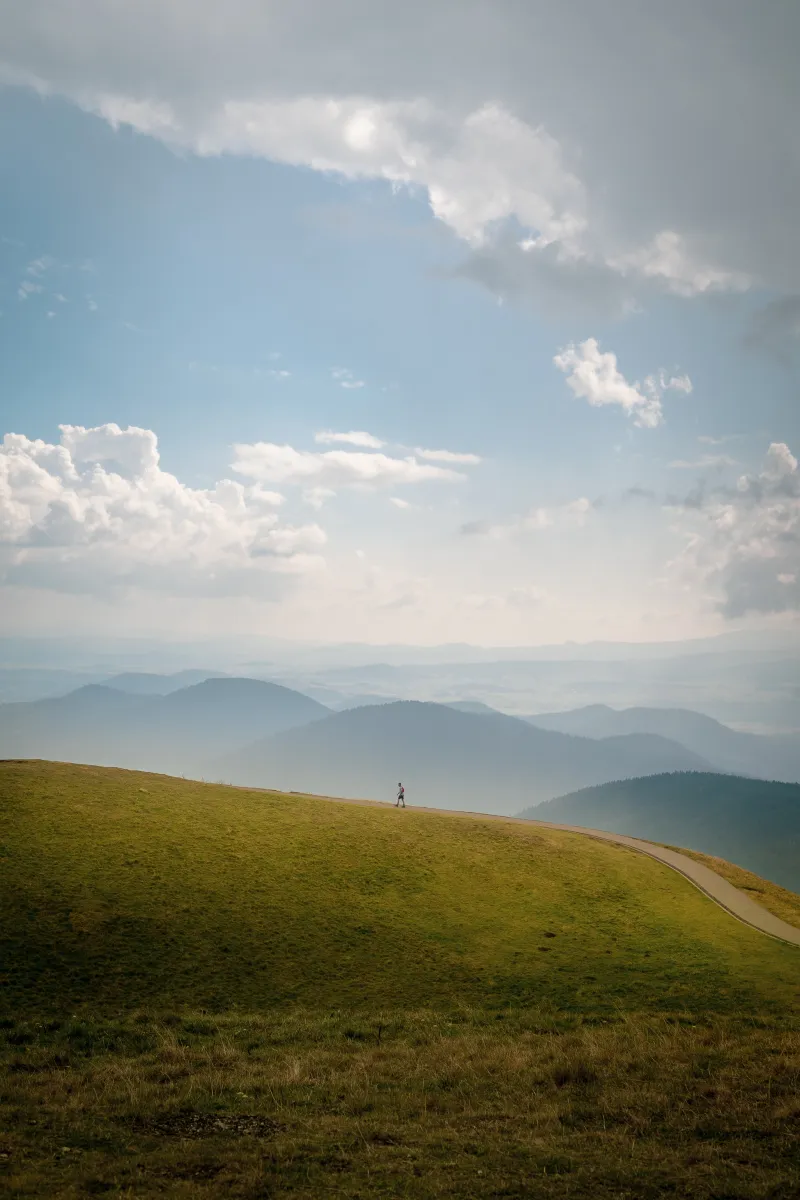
x=753 y=823
x=121 y=889
x=774 y=756
x=210 y=991
x=446 y=758
x=175 y=733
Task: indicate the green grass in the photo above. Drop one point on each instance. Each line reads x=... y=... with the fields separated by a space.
x=121 y=889
x=210 y=991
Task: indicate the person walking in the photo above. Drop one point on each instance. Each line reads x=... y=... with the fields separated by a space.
x=401 y=796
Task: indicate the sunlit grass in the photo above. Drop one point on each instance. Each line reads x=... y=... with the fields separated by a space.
x=121 y=889
x=214 y=992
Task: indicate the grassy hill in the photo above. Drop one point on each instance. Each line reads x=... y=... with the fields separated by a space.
x=211 y=991
x=751 y=822
x=121 y=889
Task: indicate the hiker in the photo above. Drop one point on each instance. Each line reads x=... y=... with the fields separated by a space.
x=401 y=796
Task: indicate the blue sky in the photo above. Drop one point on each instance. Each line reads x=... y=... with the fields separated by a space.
x=248 y=270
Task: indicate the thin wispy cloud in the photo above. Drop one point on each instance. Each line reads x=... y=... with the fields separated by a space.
x=346 y=379
x=356 y=437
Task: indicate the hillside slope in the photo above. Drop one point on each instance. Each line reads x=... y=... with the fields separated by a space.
x=752 y=823
x=121 y=889
x=766 y=757
x=175 y=733
x=445 y=758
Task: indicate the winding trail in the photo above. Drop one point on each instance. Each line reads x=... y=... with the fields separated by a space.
x=734 y=901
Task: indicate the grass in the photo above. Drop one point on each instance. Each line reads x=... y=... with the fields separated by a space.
x=210 y=991
x=404 y=1104
x=776 y=899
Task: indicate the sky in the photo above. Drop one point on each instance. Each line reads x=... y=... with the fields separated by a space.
x=417 y=323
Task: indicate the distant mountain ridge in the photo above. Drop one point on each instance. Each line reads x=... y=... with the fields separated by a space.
x=751 y=822
x=446 y=758
x=146 y=683
x=177 y=733
x=774 y=756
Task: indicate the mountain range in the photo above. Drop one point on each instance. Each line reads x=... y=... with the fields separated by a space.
x=753 y=823
x=774 y=756
x=445 y=758
x=176 y=733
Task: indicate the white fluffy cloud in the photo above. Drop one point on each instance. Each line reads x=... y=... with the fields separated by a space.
x=594 y=376
x=271 y=463
x=96 y=511
x=745 y=542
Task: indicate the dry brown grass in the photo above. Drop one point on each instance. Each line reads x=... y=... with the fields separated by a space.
x=418 y=1105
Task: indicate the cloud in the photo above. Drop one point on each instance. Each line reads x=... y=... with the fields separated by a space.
x=744 y=542
x=571 y=515
x=400 y=503
x=705 y=461
x=27 y=288
x=96 y=512
x=39 y=266
x=517 y=598
x=667 y=259
x=334 y=468
x=317 y=497
x=346 y=379
x=594 y=376
x=448 y=456
x=354 y=438
x=603 y=172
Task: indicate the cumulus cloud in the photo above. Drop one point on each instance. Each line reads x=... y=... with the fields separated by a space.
x=604 y=173
x=667 y=259
x=272 y=463
x=744 y=542
x=96 y=512
x=318 y=497
x=593 y=375
x=355 y=437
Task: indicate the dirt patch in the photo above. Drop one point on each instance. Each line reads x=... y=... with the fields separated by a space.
x=187 y=1124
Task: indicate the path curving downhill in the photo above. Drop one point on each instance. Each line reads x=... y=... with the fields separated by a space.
x=734 y=901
